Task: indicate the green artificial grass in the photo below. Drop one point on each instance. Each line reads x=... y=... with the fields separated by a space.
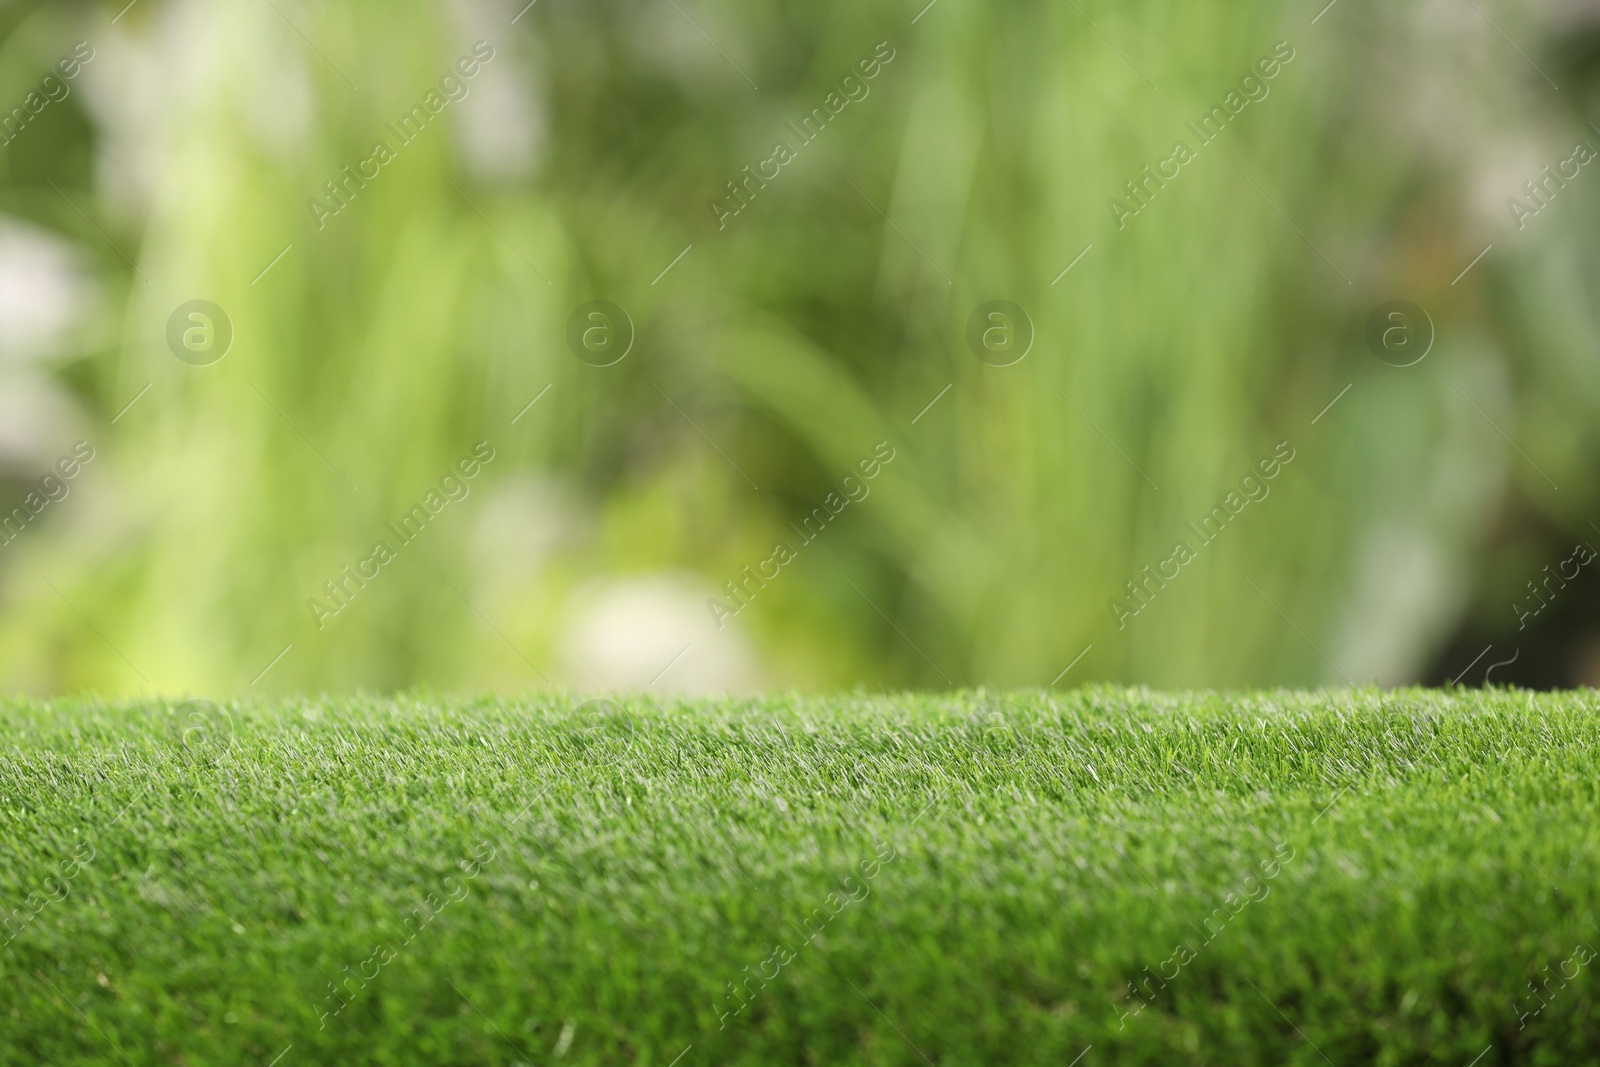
x=1274 y=878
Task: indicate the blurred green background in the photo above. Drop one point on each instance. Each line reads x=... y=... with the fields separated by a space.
x=780 y=348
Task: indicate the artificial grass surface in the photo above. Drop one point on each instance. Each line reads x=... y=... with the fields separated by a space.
x=1279 y=878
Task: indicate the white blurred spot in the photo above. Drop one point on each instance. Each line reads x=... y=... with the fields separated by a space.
x=43 y=293
x=631 y=634
x=501 y=130
x=279 y=111
x=1405 y=593
x=501 y=126
x=520 y=524
x=37 y=422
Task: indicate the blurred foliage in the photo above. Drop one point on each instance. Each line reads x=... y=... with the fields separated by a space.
x=782 y=346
